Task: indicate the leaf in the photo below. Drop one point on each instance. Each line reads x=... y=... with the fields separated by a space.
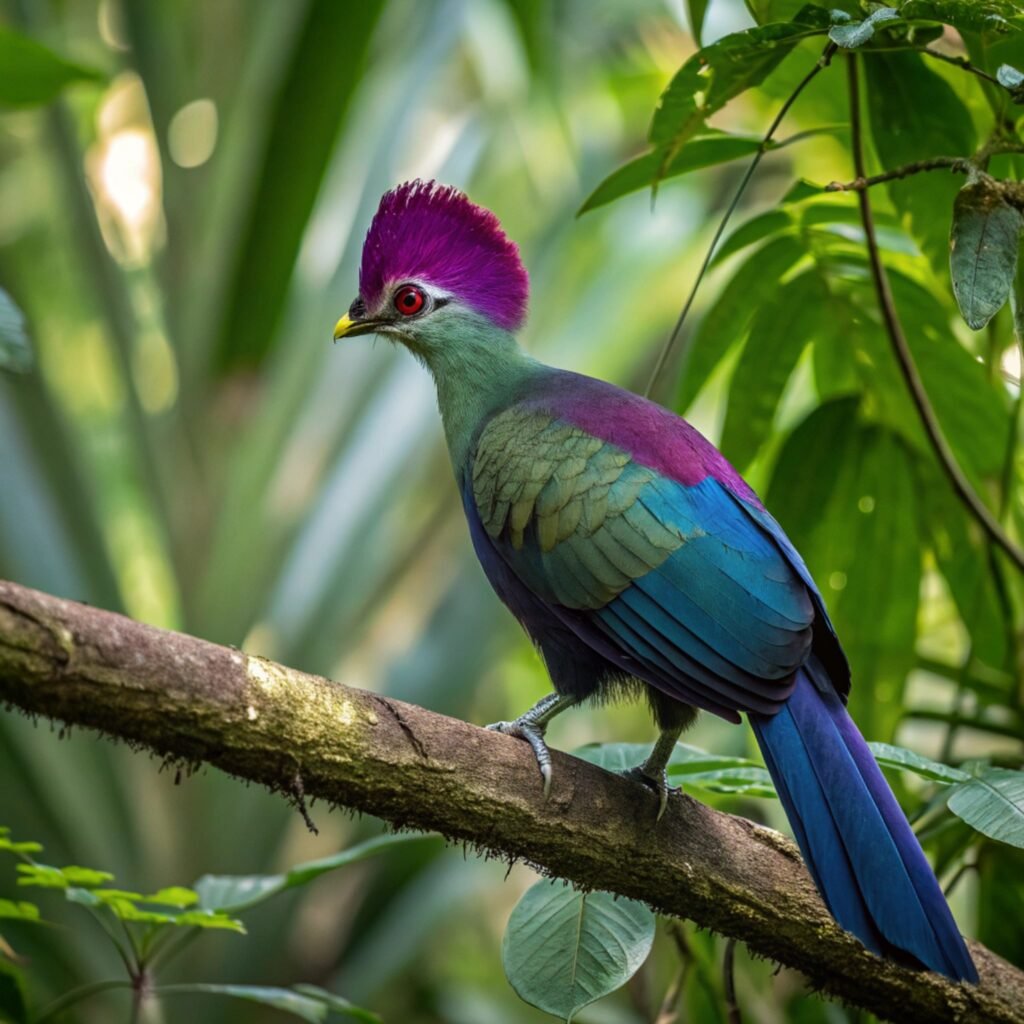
x=60 y=878
x=993 y=804
x=730 y=314
x=13 y=997
x=890 y=756
x=564 y=949
x=20 y=911
x=965 y=15
x=123 y=905
x=697 y=9
x=306 y=116
x=34 y=75
x=15 y=349
x=305 y=1001
x=983 y=252
x=717 y=74
x=1001 y=901
x=782 y=328
x=644 y=170
x=621 y=757
x=23 y=847
x=850 y=35
x=749 y=781
x=915 y=114
x=771 y=222
x=235 y=893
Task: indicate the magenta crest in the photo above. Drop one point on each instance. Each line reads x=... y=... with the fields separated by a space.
x=433 y=233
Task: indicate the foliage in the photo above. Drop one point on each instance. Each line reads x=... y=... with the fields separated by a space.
x=179 y=232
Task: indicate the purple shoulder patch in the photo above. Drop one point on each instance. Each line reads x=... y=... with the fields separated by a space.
x=433 y=233
x=653 y=436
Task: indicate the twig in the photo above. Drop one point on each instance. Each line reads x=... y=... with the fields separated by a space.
x=669 y=1011
x=961 y=485
x=957 y=164
x=198 y=701
x=823 y=62
x=732 y=1008
x=962 y=62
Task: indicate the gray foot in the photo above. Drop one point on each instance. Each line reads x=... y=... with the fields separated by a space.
x=658 y=785
x=531 y=727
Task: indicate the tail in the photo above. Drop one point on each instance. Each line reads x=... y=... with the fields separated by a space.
x=861 y=852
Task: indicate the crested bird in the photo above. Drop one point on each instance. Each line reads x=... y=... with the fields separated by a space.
x=639 y=561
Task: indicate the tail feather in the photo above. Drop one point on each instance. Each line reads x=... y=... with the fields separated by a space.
x=859 y=848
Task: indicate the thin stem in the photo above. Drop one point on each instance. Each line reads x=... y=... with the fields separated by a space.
x=961 y=485
x=822 y=63
x=958 y=875
x=732 y=1008
x=957 y=164
x=76 y=995
x=963 y=63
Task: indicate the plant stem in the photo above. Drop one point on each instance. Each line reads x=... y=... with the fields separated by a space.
x=957 y=164
x=822 y=63
x=961 y=485
x=732 y=1009
x=76 y=995
x=963 y=63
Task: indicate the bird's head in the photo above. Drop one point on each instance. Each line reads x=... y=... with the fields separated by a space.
x=435 y=267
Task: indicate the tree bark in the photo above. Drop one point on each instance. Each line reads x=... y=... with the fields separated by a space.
x=296 y=733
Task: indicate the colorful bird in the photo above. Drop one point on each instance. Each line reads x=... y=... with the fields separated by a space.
x=639 y=562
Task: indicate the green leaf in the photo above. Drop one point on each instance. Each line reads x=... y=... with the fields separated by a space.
x=890 y=756
x=730 y=314
x=235 y=893
x=850 y=35
x=564 y=949
x=697 y=10
x=782 y=328
x=715 y=75
x=13 y=997
x=915 y=114
x=305 y=1001
x=60 y=878
x=749 y=781
x=124 y=905
x=307 y=114
x=20 y=911
x=993 y=804
x=842 y=488
x=994 y=16
x=983 y=252
x=704 y=151
x=15 y=349
x=771 y=222
x=32 y=74
x=1001 y=901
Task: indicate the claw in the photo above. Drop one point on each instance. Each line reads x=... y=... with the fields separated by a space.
x=527 y=729
x=659 y=786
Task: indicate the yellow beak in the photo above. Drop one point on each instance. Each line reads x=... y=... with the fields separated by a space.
x=343 y=326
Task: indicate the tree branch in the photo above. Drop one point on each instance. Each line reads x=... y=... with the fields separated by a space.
x=904 y=357
x=192 y=700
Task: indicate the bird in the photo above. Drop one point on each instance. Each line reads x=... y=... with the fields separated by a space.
x=640 y=563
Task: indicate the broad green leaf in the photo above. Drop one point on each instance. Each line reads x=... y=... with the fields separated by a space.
x=771 y=222
x=749 y=781
x=19 y=911
x=564 y=949
x=727 y=320
x=841 y=488
x=239 y=892
x=851 y=34
x=123 y=906
x=697 y=9
x=715 y=75
x=307 y=114
x=993 y=804
x=685 y=760
x=782 y=328
x=15 y=350
x=644 y=170
x=13 y=995
x=32 y=74
x=915 y=114
x=994 y=16
x=890 y=756
x=60 y=878
x=305 y=1001
x=983 y=252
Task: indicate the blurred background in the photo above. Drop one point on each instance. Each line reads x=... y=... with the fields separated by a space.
x=191 y=450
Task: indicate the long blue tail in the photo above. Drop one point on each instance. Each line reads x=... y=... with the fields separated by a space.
x=860 y=850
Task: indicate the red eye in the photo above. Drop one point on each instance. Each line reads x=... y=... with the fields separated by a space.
x=409 y=300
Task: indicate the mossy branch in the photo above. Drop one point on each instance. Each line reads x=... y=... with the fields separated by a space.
x=188 y=699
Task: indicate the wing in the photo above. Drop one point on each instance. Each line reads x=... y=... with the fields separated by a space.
x=677 y=581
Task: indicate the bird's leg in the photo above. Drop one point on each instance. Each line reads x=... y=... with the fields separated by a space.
x=531 y=727
x=653 y=772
